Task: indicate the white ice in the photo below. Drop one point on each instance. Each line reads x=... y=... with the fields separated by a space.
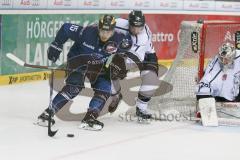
x=119 y=140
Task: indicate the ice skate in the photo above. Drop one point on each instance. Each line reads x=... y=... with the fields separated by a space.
x=43 y=119
x=143 y=116
x=90 y=122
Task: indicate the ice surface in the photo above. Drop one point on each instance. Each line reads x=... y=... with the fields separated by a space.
x=119 y=140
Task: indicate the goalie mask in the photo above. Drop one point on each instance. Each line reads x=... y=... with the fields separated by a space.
x=226 y=55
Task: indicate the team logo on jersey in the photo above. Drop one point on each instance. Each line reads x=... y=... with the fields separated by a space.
x=88 y=45
x=110 y=47
x=224 y=77
x=194 y=42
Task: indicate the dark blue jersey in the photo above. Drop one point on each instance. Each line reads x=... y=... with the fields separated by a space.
x=86 y=40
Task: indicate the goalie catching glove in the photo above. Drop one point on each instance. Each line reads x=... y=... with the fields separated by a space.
x=115 y=66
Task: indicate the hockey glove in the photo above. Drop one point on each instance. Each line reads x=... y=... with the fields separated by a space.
x=125 y=45
x=110 y=47
x=115 y=67
x=54 y=51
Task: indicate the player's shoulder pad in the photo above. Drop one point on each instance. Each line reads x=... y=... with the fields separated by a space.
x=122 y=24
x=118 y=36
x=89 y=30
x=144 y=37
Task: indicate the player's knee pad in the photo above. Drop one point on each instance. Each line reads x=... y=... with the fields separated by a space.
x=98 y=101
x=70 y=91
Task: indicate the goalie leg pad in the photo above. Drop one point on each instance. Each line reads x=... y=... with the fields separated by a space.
x=208 y=111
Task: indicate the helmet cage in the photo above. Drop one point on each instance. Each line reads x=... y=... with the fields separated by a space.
x=107 y=23
x=136 y=18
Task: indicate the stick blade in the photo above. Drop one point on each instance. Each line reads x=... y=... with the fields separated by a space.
x=51 y=133
x=15 y=59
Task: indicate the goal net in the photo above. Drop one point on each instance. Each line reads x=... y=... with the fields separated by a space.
x=199 y=42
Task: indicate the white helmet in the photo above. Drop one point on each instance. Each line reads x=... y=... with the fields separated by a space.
x=226 y=54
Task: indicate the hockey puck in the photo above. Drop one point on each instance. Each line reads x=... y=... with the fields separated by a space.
x=70 y=135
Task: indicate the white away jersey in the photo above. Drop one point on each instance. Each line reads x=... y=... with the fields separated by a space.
x=142 y=43
x=217 y=82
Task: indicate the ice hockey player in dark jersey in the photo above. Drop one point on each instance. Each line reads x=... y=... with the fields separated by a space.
x=92 y=47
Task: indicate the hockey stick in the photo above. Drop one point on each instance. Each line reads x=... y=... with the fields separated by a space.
x=24 y=64
x=50 y=132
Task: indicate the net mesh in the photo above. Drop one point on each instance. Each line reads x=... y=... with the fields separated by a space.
x=184 y=70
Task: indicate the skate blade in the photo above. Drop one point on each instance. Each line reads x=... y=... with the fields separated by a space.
x=87 y=127
x=42 y=123
x=143 y=121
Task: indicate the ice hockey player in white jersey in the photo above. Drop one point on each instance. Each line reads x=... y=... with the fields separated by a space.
x=144 y=51
x=221 y=78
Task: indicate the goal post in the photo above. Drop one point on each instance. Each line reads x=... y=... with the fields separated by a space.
x=198 y=42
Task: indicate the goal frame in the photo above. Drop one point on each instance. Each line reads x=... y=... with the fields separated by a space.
x=202 y=38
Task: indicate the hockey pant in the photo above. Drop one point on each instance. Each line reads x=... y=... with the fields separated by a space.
x=74 y=85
